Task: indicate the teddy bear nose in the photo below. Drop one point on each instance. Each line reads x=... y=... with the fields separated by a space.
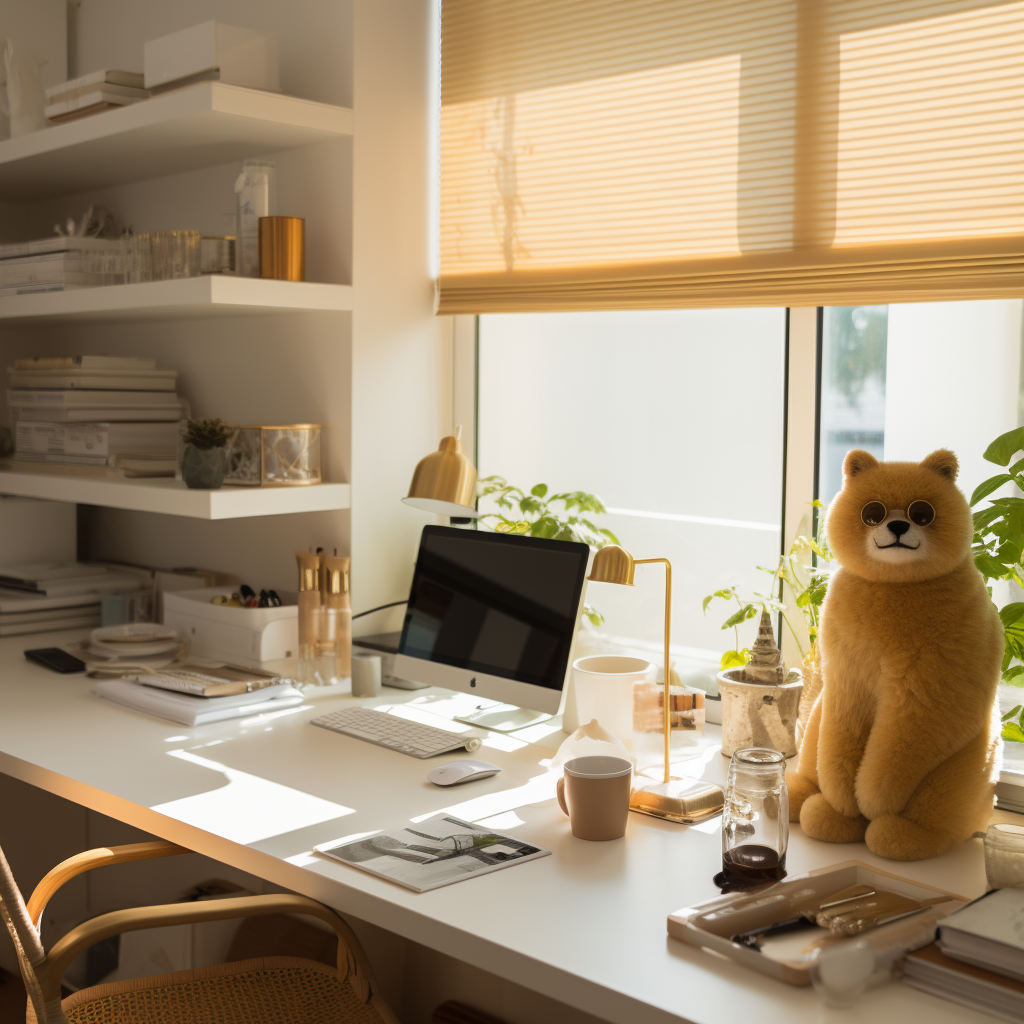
x=898 y=527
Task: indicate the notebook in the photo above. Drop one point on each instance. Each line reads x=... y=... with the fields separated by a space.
x=988 y=933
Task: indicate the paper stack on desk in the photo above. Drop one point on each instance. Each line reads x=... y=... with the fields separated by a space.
x=191 y=710
x=978 y=960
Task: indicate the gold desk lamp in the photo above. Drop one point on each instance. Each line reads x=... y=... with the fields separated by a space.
x=677 y=799
x=445 y=481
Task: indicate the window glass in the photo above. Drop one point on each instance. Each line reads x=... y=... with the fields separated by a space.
x=675 y=419
x=903 y=380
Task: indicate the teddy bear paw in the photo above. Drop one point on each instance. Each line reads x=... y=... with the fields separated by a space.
x=897 y=838
x=800 y=789
x=820 y=820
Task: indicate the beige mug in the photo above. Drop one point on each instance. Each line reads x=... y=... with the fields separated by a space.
x=594 y=793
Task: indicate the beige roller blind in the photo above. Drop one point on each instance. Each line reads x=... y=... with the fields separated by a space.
x=616 y=154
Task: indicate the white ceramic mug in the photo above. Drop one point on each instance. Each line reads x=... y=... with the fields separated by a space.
x=604 y=690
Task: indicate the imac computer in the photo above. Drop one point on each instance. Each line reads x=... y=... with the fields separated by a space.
x=494 y=615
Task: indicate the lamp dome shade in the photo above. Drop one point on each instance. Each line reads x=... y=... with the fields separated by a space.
x=612 y=564
x=445 y=482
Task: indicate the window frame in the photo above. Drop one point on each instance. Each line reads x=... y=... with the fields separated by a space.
x=801 y=441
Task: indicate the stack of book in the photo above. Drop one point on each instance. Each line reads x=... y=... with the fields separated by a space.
x=59 y=263
x=978 y=957
x=92 y=94
x=48 y=596
x=96 y=415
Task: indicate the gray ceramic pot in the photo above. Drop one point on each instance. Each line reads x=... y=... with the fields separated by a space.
x=204 y=467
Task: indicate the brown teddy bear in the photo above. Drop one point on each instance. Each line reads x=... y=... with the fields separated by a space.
x=900 y=749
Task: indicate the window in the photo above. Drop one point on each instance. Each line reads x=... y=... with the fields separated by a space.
x=675 y=419
x=903 y=380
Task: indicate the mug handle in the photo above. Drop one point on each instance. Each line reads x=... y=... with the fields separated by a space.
x=560 y=791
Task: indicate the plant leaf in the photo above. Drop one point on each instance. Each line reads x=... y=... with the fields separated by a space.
x=986 y=487
x=539 y=490
x=748 y=611
x=1013 y=732
x=1005 y=446
x=735 y=659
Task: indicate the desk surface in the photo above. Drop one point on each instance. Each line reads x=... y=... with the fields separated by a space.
x=585 y=926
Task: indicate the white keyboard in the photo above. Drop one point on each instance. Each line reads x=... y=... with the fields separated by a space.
x=394 y=733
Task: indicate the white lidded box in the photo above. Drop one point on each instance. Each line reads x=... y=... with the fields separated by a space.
x=241 y=636
x=212 y=52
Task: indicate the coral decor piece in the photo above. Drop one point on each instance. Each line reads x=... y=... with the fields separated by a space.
x=900 y=748
x=765 y=665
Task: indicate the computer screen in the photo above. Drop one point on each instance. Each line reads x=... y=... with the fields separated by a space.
x=495 y=603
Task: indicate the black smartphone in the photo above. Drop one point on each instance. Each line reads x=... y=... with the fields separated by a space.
x=55 y=660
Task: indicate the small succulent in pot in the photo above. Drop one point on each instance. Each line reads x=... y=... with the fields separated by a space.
x=204 y=460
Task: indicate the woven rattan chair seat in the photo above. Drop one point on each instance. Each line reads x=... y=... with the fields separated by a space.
x=268 y=990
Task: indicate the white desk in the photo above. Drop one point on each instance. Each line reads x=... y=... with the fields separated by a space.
x=585 y=926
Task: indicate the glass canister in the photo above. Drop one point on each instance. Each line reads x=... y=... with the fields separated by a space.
x=1004 y=856
x=755 y=820
x=686 y=724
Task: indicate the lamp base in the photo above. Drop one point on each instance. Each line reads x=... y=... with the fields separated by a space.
x=686 y=801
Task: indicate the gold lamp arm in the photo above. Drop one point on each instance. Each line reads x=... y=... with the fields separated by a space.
x=667 y=716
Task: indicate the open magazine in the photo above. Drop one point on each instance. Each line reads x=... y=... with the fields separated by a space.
x=432 y=853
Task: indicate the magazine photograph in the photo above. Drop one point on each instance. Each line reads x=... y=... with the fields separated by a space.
x=435 y=852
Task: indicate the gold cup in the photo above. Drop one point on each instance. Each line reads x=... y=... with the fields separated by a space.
x=283 y=248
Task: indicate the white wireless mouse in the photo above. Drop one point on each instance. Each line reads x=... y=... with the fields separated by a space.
x=454 y=772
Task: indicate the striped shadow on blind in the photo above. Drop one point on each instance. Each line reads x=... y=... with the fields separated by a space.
x=597 y=154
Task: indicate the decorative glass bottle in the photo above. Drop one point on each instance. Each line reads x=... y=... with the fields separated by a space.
x=755 y=820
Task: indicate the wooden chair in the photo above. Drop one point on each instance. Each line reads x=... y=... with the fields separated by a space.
x=267 y=990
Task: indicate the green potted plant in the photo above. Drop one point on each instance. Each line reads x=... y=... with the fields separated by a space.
x=204 y=459
x=537 y=513
x=998 y=551
x=794 y=582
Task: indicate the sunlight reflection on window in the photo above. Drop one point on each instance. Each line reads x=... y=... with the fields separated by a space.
x=247 y=808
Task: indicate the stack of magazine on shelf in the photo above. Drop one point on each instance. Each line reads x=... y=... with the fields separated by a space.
x=978 y=958
x=95 y=415
x=60 y=263
x=61 y=595
x=93 y=93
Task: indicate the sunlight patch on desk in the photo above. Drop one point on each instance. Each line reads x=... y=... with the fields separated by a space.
x=709 y=827
x=509 y=819
x=269 y=715
x=536 y=791
x=248 y=808
x=176 y=739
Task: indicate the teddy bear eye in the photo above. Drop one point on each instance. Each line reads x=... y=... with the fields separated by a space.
x=920 y=512
x=872 y=513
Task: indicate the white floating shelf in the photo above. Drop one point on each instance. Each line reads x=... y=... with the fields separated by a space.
x=212 y=295
x=199 y=126
x=173 y=498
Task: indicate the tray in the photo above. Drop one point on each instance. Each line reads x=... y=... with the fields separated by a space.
x=708 y=925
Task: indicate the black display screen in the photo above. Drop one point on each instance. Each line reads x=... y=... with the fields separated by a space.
x=494 y=603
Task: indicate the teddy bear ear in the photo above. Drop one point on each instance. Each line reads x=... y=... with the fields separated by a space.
x=943 y=462
x=857 y=461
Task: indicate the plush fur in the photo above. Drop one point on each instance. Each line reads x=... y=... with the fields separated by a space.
x=901 y=746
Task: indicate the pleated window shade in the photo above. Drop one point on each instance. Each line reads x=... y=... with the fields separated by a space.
x=602 y=154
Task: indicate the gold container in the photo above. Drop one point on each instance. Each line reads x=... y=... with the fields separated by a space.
x=283 y=248
x=274 y=456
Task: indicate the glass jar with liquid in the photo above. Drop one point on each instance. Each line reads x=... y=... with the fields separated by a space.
x=755 y=820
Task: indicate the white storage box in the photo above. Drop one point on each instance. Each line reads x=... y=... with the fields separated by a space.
x=212 y=52
x=241 y=636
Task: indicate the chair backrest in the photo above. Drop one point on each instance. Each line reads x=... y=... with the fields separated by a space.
x=26 y=939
